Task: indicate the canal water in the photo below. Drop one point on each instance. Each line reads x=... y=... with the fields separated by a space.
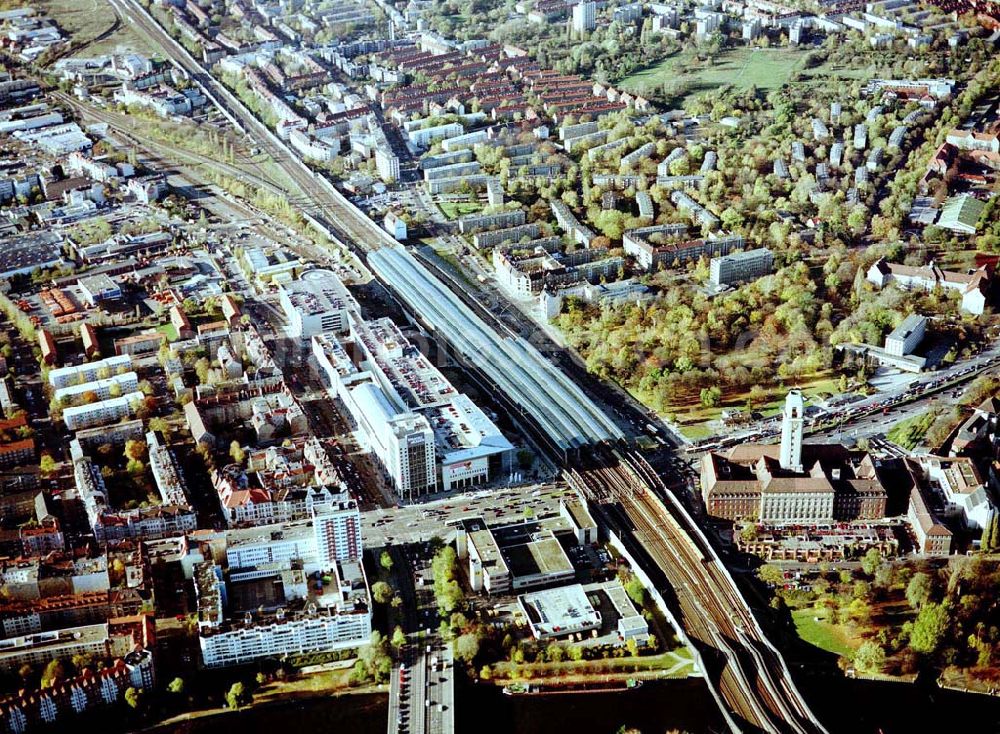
x=848 y=706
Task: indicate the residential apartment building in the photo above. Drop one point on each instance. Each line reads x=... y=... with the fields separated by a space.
x=114 y=386
x=337 y=531
x=167 y=472
x=102 y=412
x=39 y=648
x=499 y=220
x=338 y=619
x=741 y=267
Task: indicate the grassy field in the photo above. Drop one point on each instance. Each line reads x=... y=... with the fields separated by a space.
x=814 y=628
x=740 y=67
x=456 y=209
x=85 y=20
x=170 y=330
x=677 y=663
x=910 y=432
x=696 y=421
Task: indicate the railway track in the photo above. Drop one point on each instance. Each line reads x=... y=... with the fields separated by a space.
x=747 y=672
x=321 y=203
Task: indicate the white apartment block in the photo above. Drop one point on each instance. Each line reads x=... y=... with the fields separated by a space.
x=387 y=165
x=285 y=635
x=103 y=389
x=427 y=136
x=89 y=371
x=102 y=412
x=39 y=648
x=272 y=545
x=337 y=533
x=167 y=472
x=741 y=267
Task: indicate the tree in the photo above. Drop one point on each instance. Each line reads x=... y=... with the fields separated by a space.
x=447 y=592
x=711 y=396
x=381 y=592
x=869 y=657
x=635 y=590
x=133 y=697
x=238 y=695
x=870 y=561
x=176 y=686
x=53 y=673
x=47 y=465
x=236 y=452
x=201 y=368
x=398 y=638
x=373 y=660
x=385 y=560
x=82 y=660
x=467 y=647
x=770 y=575
x=135 y=450
x=918 y=591
x=929 y=628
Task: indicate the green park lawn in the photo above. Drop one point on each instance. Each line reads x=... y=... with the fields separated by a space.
x=684 y=75
x=813 y=627
x=741 y=67
x=170 y=330
x=910 y=432
x=456 y=209
x=694 y=419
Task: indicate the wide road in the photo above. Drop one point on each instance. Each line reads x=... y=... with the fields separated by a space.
x=319 y=199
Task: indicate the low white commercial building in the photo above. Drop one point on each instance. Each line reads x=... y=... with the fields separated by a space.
x=907 y=336
x=559 y=612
